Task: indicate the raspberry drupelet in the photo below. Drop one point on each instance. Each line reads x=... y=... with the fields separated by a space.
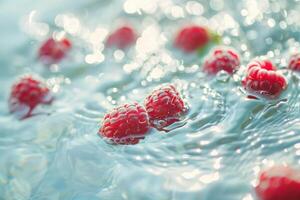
x=164 y=106
x=53 y=51
x=262 y=79
x=222 y=59
x=122 y=38
x=279 y=183
x=26 y=94
x=126 y=124
x=294 y=63
x=192 y=38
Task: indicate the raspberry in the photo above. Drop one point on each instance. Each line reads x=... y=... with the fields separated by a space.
x=191 y=38
x=222 y=59
x=26 y=94
x=164 y=106
x=126 y=124
x=53 y=51
x=294 y=63
x=263 y=79
x=121 y=38
x=279 y=183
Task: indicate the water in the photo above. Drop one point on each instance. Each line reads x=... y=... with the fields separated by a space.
x=214 y=153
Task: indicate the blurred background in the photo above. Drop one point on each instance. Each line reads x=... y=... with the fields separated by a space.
x=262 y=25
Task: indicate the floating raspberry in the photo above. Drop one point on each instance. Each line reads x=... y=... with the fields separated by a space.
x=26 y=94
x=53 y=51
x=263 y=79
x=294 y=63
x=279 y=183
x=222 y=59
x=164 y=106
x=192 y=38
x=126 y=124
x=121 y=38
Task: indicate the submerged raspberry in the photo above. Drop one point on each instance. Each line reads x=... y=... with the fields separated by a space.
x=164 y=105
x=222 y=59
x=266 y=64
x=28 y=93
x=126 y=124
x=279 y=183
x=263 y=79
x=191 y=38
x=53 y=51
x=294 y=63
x=121 y=38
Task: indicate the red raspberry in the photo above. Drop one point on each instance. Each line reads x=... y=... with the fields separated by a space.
x=164 y=106
x=294 y=63
x=121 y=38
x=26 y=94
x=126 y=124
x=222 y=59
x=191 y=38
x=52 y=51
x=263 y=79
x=279 y=183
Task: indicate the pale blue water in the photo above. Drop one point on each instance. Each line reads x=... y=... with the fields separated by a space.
x=214 y=153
